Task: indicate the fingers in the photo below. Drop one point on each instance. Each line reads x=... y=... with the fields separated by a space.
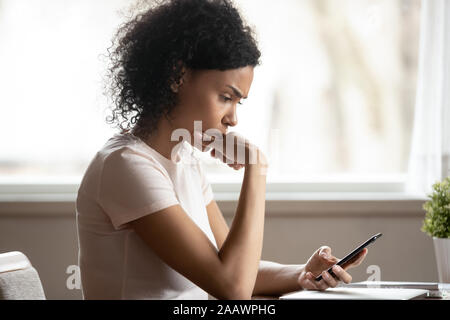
x=325 y=251
x=219 y=155
x=309 y=282
x=329 y=280
x=236 y=166
x=362 y=255
x=236 y=163
x=356 y=261
x=327 y=258
x=342 y=274
x=231 y=148
x=359 y=258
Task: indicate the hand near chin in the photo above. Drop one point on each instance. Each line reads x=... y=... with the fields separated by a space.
x=235 y=166
x=244 y=152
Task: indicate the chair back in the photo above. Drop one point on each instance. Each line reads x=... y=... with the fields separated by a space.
x=18 y=279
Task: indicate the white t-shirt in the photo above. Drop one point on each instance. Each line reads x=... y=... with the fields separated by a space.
x=126 y=180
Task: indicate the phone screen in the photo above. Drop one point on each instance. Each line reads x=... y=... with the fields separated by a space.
x=351 y=255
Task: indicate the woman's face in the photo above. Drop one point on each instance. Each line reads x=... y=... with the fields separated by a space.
x=211 y=96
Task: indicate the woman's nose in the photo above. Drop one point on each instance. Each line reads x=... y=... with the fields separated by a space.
x=231 y=117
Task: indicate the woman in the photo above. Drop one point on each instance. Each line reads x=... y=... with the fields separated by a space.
x=148 y=225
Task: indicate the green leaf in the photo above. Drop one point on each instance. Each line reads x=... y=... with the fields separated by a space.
x=437 y=218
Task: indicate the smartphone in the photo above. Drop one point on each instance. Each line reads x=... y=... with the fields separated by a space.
x=351 y=255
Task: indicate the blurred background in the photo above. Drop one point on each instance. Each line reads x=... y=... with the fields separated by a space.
x=334 y=96
x=333 y=105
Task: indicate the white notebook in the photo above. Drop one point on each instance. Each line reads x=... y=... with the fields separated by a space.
x=357 y=294
x=393 y=284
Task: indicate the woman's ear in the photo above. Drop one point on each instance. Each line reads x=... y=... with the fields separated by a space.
x=176 y=85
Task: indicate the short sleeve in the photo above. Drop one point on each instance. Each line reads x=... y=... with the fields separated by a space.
x=133 y=185
x=208 y=195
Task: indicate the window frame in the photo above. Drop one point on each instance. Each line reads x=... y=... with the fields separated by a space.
x=66 y=189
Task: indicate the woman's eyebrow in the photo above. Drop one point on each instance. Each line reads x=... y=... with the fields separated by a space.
x=236 y=92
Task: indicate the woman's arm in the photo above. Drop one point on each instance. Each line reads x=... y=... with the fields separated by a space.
x=242 y=248
x=273 y=278
x=229 y=273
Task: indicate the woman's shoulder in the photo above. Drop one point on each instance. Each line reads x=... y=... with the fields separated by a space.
x=120 y=155
x=125 y=149
x=126 y=152
x=123 y=143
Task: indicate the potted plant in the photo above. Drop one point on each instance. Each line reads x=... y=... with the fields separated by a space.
x=437 y=225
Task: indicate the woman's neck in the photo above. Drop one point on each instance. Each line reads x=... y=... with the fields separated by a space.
x=160 y=139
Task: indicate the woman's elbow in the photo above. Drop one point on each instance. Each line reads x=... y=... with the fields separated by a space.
x=238 y=292
x=231 y=287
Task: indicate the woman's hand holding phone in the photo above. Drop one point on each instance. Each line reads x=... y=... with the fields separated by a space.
x=320 y=262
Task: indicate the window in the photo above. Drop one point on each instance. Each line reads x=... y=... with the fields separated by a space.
x=332 y=100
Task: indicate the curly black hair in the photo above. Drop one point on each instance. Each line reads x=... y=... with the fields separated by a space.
x=149 y=51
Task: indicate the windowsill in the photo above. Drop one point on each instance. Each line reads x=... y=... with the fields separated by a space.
x=289 y=198
x=326 y=196
x=332 y=203
x=65 y=189
x=277 y=204
x=234 y=196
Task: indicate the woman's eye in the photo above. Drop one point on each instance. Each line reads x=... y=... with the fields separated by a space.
x=226 y=99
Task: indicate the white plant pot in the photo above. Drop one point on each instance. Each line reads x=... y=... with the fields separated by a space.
x=442 y=251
